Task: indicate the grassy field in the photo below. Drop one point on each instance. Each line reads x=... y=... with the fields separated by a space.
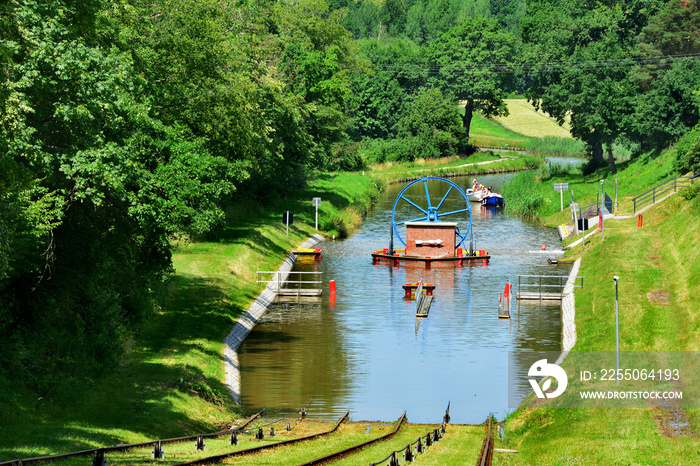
x=478 y=163
x=524 y=129
x=524 y=119
x=485 y=132
x=659 y=311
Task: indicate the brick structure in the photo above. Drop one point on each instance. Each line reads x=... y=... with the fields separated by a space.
x=430 y=239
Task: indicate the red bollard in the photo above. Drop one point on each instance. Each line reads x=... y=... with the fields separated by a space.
x=640 y=223
x=506 y=292
x=331 y=299
x=600 y=220
x=544 y=246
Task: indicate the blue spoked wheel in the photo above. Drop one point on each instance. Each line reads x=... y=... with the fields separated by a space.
x=412 y=205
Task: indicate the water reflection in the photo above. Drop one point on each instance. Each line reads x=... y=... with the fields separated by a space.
x=368 y=353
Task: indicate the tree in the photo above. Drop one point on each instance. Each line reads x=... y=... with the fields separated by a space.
x=508 y=13
x=96 y=184
x=463 y=61
x=584 y=55
x=318 y=58
x=665 y=108
x=379 y=97
x=432 y=126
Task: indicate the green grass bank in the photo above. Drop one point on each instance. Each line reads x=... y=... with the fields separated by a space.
x=659 y=310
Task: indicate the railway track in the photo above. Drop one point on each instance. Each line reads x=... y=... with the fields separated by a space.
x=355 y=448
x=253 y=450
x=100 y=452
x=486 y=454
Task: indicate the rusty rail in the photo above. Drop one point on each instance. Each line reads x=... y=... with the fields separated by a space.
x=486 y=454
x=124 y=447
x=250 y=451
x=408 y=452
x=358 y=447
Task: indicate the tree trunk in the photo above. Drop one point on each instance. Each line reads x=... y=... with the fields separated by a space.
x=611 y=160
x=467 y=117
x=597 y=152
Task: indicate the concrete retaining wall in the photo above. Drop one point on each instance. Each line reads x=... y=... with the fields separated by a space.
x=568 y=310
x=248 y=320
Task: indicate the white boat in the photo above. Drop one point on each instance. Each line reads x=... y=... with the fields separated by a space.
x=475 y=196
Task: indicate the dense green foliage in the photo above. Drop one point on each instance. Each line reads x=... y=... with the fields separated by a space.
x=124 y=123
x=616 y=74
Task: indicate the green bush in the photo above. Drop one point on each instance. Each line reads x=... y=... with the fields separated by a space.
x=691 y=191
x=522 y=194
x=688 y=152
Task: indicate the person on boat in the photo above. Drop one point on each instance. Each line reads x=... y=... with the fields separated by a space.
x=488 y=190
x=474 y=185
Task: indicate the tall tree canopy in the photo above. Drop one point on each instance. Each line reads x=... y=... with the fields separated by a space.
x=464 y=62
x=125 y=122
x=586 y=52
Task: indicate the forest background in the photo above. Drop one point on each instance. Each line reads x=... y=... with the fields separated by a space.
x=127 y=124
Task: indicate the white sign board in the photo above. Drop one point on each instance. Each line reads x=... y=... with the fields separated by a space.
x=561 y=186
x=316 y=201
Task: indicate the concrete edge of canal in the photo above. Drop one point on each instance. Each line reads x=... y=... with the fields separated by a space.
x=568 y=310
x=247 y=321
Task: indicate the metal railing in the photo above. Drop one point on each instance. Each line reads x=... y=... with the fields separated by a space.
x=662 y=190
x=279 y=279
x=546 y=282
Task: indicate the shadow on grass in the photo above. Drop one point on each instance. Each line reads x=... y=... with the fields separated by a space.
x=171 y=372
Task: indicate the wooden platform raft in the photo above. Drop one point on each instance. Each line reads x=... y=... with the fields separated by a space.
x=459 y=257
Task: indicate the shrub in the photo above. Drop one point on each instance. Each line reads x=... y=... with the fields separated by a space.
x=522 y=194
x=691 y=191
x=688 y=152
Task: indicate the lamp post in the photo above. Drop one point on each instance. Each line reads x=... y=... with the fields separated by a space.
x=617 y=333
x=602 y=203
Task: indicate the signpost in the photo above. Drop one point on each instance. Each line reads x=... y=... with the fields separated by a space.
x=602 y=215
x=316 y=201
x=288 y=219
x=574 y=208
x=561 y=187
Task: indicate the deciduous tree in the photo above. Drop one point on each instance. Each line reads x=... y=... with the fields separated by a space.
x=465 y=62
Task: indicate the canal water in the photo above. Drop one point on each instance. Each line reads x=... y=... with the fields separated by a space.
x=367 y=353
